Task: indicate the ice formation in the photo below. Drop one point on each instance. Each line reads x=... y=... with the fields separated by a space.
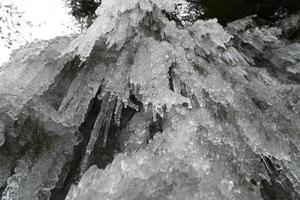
x=138 y=107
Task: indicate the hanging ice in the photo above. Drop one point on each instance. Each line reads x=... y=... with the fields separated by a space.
x=179 y=112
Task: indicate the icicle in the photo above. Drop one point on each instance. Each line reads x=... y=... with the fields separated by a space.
x=118 y=111
x=131 y=88
x=137 y=89
x=154 y=114
x=95 y=132
x=146 y=108
x=103 y=91
x=110 y=112
x=194 y=102
x=134 y=89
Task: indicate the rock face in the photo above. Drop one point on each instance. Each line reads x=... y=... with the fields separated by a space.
x=140 y=108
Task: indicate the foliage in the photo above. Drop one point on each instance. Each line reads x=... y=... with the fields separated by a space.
x=83 y=10
x=224 y=10
x=228 y=10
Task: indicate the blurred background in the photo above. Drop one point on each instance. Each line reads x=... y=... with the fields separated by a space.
x=23 y=21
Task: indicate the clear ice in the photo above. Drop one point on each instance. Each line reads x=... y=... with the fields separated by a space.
x=196 y=112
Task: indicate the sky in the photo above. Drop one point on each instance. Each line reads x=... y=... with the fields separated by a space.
x=49 y=19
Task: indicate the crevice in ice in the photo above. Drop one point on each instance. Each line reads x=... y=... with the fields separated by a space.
x=136 y=102
x=279 y=186
x=262 y=53
x=127 y=114
x=275 y=71
x=199 y=69
x=73 y=167
x=33 y=146
x=100 y=53
x=183 y=89
x=100 y=120
x=155 y=127
x=260 y=104
x=218 y=110
x=103 y=123
x=107 y=146
x=59 y=88
x=171 y=77
x=151 y=27
x=13 y=148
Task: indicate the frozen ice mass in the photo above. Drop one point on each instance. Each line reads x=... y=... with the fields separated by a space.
x=143 y=107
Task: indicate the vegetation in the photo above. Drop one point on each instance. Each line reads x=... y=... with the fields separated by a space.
x=83 y=10
x=225 y=10
x=228 y=10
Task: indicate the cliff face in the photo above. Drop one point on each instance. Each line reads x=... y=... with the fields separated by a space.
x=139 y=108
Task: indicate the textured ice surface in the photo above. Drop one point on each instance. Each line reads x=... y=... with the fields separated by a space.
x=30 y=125
x=200 y=112
x=115 y=21
x=136 y=134
x=243 y=122
x=30 y=72
x=180 y=164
